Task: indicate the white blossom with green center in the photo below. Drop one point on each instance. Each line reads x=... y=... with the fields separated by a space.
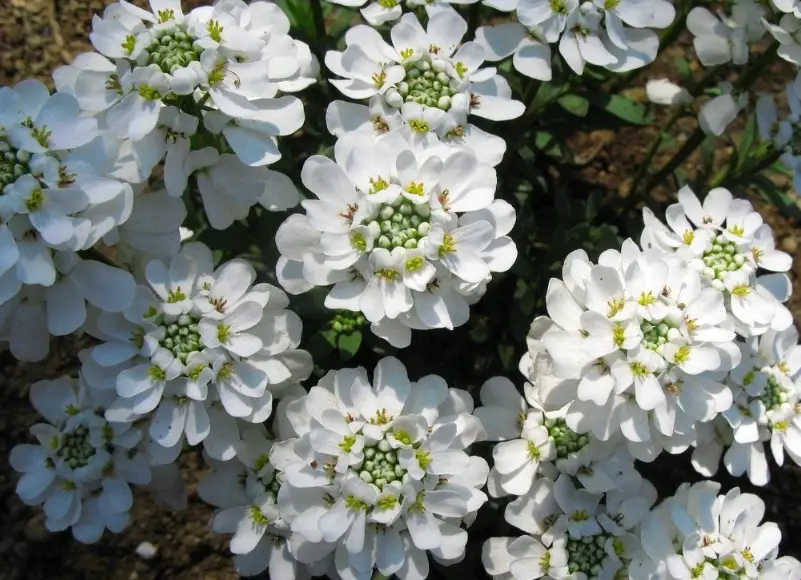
x=75 y=448
x=180 y=335
x=13 y=163
x=567 y=441
x=586 y=555
x=400 y=224
x=775 y=394
x=172 y=48
x=722 y=256
x=427 y=84
x=380 y=465
x=658 y=333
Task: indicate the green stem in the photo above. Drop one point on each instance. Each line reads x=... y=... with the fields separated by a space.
x=680 y=157
x=642 y=170
x=723 y=177
x=319 y=20
x=472 y=21
x=743 y=83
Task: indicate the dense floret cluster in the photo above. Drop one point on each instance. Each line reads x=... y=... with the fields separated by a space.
x=124 y=195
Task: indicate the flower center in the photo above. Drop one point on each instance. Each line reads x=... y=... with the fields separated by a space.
x=426 y=86
x=566 y=440
x=720 y=257
x=181 y=336
x=173 y=48
x=774 y=394
x=75 y=448
x=380 y=465
x=587 y=554
x=655 y=334
x=13 y=163
x=400 y=224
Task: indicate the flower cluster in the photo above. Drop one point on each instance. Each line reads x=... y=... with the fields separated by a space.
x=197 y=351
x=541 y=444
x=376 y=476
x=679 y=341
x=697 y=533
x=639 y=342
x=56 y=198
x=767 y=392
x=199 y=91
x=425 y=85
x=572 y=533
x=82 y=468
x=616 y=35
x=409 y=239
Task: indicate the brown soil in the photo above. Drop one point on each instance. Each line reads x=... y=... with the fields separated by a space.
x=38 y=35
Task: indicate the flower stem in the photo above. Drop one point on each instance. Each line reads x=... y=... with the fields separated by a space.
x=695 y=140
x=642 y=170
x=472 y=22
x=319 y=19
x=723 y=177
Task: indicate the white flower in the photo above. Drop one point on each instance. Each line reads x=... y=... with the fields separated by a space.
x=434 y=82
x=386 y=230
x=572 y=534
x=530 y=56
x=664 y=92
x=182 y=81
x=698 y=533
x=380 y=472
x=591 y=32
x=581 y=42
x=717 y=40
x=245 y=490
x=202 y=347
x=787 y=33
x=54 y=192
x=717 y=113
x=82 y=469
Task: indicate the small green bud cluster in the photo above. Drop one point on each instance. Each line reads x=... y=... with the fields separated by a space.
x=721 y=256
x=273 y=486
x=774 y=394
x=400 y=224
x=181 y=337
x=173 y=48
x=566 y=440
x=587 y=554
x=655 y=335
x=347 y=321
x=75 y=449
x=427 y=84
x=380 y=465
x=13 y=163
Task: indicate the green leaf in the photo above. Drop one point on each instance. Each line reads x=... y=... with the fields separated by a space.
x=546 y=92
x=624 y=109
x=299 y=15
x=349 y=344
x=683 y=67
x=549 y=144
x=592 y=206
x=575 y=105
x=786 y=204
